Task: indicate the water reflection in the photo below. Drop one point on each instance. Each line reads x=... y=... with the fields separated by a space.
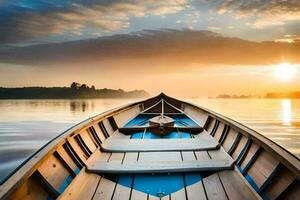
x=76 y=106
x=286 y=106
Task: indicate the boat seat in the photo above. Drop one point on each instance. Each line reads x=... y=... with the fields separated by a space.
x=161 y=162
x=202 y=142
x=159 y=167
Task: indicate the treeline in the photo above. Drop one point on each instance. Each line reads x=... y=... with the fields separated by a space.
x=274 y=95
x=290 y=95
x=75 y=91
x=228 y=96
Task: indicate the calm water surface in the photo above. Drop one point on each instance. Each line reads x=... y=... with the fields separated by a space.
x=26 y=125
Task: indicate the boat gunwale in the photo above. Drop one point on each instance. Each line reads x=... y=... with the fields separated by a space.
x=26 y=169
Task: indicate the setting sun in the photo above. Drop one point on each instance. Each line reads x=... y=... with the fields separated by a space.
x=285 y=71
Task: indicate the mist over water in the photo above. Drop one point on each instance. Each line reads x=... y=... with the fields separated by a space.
x=27 y=125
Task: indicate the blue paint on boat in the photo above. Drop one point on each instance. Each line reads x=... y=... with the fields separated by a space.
x=184 y=135
x=252 y=183
x=143 y=120
x=150 y=135
x=159 y=184
x=76 y=171
x=172 y=135
x=191 y=178
x=125 y=180
x=183 y=120
x=65 y=184
x=140 y=120
x=137 y=135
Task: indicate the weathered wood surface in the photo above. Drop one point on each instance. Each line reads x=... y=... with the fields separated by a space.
x=138 y=195
x=159 y=156
x=135 y=145
x=105 y=189
x=196 y=191
x=159 y=166
x=121 y=192
x=122 y=118
x=262 y=168
x=179 y=195
x=229 y=139
x=235 y=187
x=280 y=183
x=82 y=187
x=241 y=144
x=198 y=115
x=214 y=188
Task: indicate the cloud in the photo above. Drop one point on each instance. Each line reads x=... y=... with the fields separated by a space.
x=265 y=12
x=23 y=22
x=166 y=46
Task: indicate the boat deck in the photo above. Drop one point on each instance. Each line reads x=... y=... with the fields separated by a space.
x=224 y=184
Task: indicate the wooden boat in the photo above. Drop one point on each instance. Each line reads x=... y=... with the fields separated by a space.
x=186 y=152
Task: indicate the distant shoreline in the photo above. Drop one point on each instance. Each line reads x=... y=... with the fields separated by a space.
x=274 y=95
x=75 y=91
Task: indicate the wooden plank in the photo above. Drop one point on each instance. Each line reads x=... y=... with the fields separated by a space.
x=236 y=152
x=219 y=131
x=219 y=154
x=159 y=156
x=67 y=158
x=54 y=172
x=179 y=195
x=229 y=139
x=130 y=156
x=87 y=139
x=235 y=186
x=161 y=166
x=108 y=127
x=279 y=183
x=167 y=197
x=31 y=189
x=99 y=132
x=117 y=157
x=138 y=195
x=121 y=193
x=125 y=145
x=123 y=117
x=105 y=189
x=150 y=197
x=202 y=156
x=198 y=115
x=78 y=150
x=214 y=188
x=262 y=168
x=249 y=154
x=188 y=155
x=196 y=191
x=215 y=127
x=211 y=125
x=120 y=135
x=82 y=187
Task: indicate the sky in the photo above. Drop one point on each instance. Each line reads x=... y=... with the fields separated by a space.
x=181 y=47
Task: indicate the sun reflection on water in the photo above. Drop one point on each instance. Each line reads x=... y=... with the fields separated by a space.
x=286 y=107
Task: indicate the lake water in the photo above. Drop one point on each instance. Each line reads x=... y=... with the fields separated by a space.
x=26 y=125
